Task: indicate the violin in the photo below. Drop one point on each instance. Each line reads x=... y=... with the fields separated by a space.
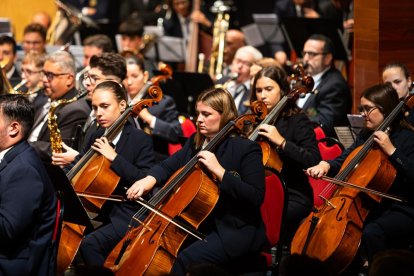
x=300 y=85
x=333 y=232
x=188 y=196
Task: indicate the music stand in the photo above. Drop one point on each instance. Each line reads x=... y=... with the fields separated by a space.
x=167 y=49
x=184 y=87
x=74 y=210
x=297 y=30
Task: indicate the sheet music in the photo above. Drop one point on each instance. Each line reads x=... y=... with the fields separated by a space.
x=345 y=136
x=269 y=27
x=253 y=35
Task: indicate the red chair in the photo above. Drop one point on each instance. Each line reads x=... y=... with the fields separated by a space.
x=329 y=149
x=188 y=128
x=273 y=210
x=319 y=133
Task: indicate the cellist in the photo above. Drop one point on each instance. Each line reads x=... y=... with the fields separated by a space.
x=293 y=137
x=389 y=221
x=131 y=155
x=234 y=227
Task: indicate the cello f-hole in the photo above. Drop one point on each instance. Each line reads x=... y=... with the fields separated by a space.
x=339 y=218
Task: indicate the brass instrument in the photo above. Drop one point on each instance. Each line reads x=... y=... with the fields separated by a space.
x=6 y=87
x=221 y=26
x=55 y=137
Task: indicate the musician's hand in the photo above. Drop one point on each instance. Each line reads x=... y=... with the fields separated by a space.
x=319 y=170
x=141 y=187
x=64 y=158
x=146 y=116
x=199 y=17
x=310 y=13
x=271 y=133
x=209 y=160
x=382 y=139
x=103 y=146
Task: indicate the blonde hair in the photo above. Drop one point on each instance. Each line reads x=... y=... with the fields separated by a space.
x=221 y=101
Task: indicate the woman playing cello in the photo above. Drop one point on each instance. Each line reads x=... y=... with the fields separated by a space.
x=131 y=155
x=389 y=221
x=294 y=139
x=234 y=227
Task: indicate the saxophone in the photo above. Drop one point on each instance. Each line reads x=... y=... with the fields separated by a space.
x=55 y=136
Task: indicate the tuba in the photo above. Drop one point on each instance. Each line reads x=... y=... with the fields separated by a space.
x=5 y=85
x=55 y=137
x=221 y=26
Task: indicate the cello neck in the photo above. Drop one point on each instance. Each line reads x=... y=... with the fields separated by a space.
x=271 y=117
x=370 y=142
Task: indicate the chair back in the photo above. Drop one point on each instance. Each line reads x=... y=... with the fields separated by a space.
x=188 y=128
x=329 y=149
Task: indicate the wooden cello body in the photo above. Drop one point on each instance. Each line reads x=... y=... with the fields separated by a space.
x=93 y=175
x=336 y=228
x=190 y=195
x=333 y=232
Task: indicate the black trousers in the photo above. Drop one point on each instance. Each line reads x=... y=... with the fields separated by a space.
x=384 y=231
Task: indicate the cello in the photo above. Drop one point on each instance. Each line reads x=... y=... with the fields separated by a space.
x=301 y=84
x=189 y=195
x=333 y=232
x=92 y=175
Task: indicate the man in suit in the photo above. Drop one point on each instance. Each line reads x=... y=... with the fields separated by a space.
x=8 y=52
x=95 y=45
x=34 y=38
x=329 y=106
x=239 y=88
x=28 y=203
x=59 y=82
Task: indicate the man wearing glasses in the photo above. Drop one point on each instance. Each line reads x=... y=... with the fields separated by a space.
x=59 y=84
x=332 y=101
x=34 y=38
x=239 y=87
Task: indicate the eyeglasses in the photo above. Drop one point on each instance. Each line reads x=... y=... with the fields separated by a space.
x=366 y=109
x=35 y=42
x=243 y=62
x=29 y=72
x=312 y=54
x=50 y=76
x=92 y=78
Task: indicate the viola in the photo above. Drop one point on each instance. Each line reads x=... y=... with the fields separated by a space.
x=189 y=196
x=92 y=174
x=301 y=84
x=333 y=232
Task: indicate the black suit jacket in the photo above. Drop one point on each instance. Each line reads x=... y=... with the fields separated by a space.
x=135 y=157
x=167 y=128
x=300 y=152
x=27 y=213
x=236 y=215
x=70 y=116
x=329 y=106
x=146 y=12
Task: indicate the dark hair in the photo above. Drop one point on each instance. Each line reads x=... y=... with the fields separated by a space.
x=100 y=41
x=115 y=87
x=328 y=47
x=133 y=59
x=18 y=108
x=383 y=95
x=5 y=39
x=132 y=26
x=36 y=28
x=400 y=65
x=278 y=75
x=110 y=64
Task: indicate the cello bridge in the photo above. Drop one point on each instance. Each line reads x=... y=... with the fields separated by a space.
x=143 y=224
x=327 y=202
